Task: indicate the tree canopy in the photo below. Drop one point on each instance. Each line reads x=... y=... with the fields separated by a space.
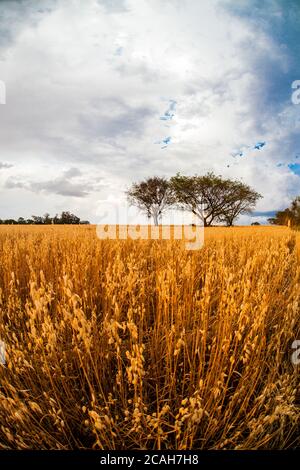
x=212 y=198
x=152 y=196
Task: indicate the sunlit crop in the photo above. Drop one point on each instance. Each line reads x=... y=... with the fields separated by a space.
x=145 y=345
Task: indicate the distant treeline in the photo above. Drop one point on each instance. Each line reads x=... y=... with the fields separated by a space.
x=289 y=216
x=65 y=218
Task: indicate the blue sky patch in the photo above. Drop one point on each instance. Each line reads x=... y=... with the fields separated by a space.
x=295 y=168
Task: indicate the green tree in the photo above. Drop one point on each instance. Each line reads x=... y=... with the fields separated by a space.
x=68 y=218
x=289 y=216
x=152 y=196
x=37 y=219
x=239 y=199
x=212 y=198
x=47 y=220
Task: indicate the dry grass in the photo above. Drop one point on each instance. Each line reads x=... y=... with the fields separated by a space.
x=122 y=344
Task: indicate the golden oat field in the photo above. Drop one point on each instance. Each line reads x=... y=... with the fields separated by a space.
x=145 y=345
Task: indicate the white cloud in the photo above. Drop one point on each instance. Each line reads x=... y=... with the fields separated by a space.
x=88 y=81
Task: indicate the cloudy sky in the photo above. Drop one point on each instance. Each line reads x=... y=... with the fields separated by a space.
x=100 y=93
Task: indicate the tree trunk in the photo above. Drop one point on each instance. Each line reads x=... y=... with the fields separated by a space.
x=155 y=219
